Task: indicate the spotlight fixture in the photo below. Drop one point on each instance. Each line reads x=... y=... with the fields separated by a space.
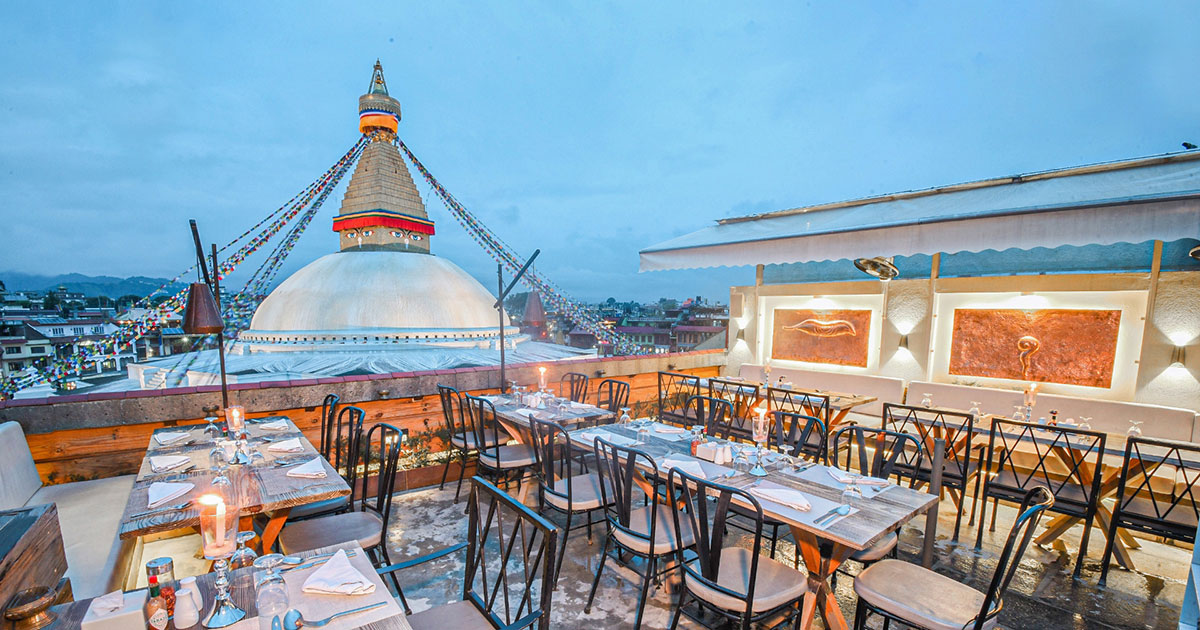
x=741 y=334
x=904 y=341
x=878 y=267
x=1178 y=356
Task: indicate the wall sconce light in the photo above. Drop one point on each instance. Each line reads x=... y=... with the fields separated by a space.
x=741 y=334
x=904 y=341
x=1178 y=356
x=383 y=394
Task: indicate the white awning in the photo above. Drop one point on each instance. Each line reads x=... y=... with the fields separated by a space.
x=1135 y=201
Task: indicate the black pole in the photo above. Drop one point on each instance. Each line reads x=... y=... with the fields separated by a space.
x=500 y=309
x=216 y=284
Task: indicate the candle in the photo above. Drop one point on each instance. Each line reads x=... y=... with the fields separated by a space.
x=235 y=416
x=542 y=377
x=216 y=538
x=760 y=425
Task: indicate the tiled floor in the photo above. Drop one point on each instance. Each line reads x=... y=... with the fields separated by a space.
x=1043 y=594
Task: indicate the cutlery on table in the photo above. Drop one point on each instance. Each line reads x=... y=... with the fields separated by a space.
x=165 y=508
x=833 y=514
x=294 y=620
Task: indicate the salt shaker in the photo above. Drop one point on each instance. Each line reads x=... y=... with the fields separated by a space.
x=190 y=584
x=187 y=613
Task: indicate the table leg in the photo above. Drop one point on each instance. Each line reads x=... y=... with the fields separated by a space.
x=273 y=527
x=821 y=558
x=1055 y=528
x=1120 y=550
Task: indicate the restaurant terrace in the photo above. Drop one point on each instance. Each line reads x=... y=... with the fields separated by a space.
x=973 y=406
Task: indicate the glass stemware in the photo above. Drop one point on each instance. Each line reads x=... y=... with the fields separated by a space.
x=927 y=401
x=1018 y=413
x=975 y=411
x=271 y=594
x=1135 y=429
x=244 y=556
x=625 y=419
x=1085 y=423
x=211 y=428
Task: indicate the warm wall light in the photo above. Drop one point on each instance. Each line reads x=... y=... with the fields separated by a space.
x=904 y=341
x=1178 y=356
x=741 y=334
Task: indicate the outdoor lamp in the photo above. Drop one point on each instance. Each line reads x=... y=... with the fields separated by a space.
x=201 y=316
x=878 y=267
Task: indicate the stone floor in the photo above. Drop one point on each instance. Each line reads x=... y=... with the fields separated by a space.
x=1043 y=593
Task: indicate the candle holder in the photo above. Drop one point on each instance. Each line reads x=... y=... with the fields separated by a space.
x=542 y=378
x=218 y=533
x=760 y=438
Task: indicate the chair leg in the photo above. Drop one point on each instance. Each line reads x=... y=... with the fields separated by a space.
x=646 y=579
x=1083 y=545
x=600 y=569
x=445 y=472
x=860 y=615
x=774 y=540
x=975 y=500
x=678 y=610
x=589 y=516
x=462 y=469
x=995 y=509
x=388 y=560
x=958 y=516
x=562 y=551
x=982 y=518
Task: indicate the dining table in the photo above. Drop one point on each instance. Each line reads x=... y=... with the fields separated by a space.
x=266 y=486
x=313 y=606
x=823 y=544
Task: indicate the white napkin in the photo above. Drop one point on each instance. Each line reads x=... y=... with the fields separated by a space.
x=666 y=428
x=287 y=446
x=107 y=604
x=278 y=425
x=312 y=469
x=689 y=466
x=783 y=496
x=160 y=492
x=579 y=405
x=338 y=577
x=170 y=437
x=844 y=477
x=163 y=463
x=619 y=440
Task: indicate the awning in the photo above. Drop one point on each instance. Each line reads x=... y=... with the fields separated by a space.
x=1133 y=201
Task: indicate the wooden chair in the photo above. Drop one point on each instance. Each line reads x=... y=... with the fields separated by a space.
x=574 y=386
x=646 y=532
x=1158 y=492
x=462 y=439
x=737 y=583
x=921 y=598
x=1022 y=455
x=501 y=590
x=674 y=391
x=562 y=487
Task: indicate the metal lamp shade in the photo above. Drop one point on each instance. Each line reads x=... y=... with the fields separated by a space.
x=201 y=316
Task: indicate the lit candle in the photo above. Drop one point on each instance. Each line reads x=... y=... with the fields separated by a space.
x=236 y=417
x=215 y=539
x=542 y=378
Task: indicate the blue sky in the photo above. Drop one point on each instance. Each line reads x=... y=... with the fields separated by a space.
x=589 y=130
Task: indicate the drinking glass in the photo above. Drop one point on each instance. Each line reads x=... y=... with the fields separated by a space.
x=1135 y=428
x=1018 y=413
x=643 y=432
x=625 y=419
x=1085 y=423
x=211 y=428
x=244 y=556
x=741 y=463
x=851 y=494
x=975 y=411
x=271 y=594
x=927 y=401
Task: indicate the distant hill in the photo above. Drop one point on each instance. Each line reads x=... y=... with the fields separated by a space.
x=91 y=286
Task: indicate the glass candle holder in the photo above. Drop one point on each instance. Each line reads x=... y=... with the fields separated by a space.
x=235 y=417
x=760 y=438
x=542 y=378
x=218 y=540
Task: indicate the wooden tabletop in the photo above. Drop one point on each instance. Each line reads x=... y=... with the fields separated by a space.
x=875 y=516
x=267 y=486
x=312 y=606
x=569 y=415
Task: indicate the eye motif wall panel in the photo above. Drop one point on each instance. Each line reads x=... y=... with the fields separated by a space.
x=1068 y=346
x=839 y=337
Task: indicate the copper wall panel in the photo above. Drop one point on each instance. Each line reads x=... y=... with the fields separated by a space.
x=840 y=337
x=1068 y=346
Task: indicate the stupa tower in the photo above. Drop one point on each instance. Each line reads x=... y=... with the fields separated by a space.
x=382 y=210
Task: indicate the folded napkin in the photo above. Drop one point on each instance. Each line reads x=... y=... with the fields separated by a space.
x=689 y=466
x=312 y=469
x=278 y=425
x=171 y=437
x=163 y=463
x=783 y=496
x=859 y=480
x=338 y=577
x=579 y=405
x=619 y=440
x=107 y=604
x=160 y=492
x=287 y=446
x=666 y=428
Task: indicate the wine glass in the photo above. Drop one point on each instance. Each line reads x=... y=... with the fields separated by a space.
x=244 y=556
x=1085 y=423
x=271 y=593
x=1018 y=413
x=852 y=494
x=1135 y=429
x=624 y=419
x=975 y=411
x=927 y=401
x=211 y=428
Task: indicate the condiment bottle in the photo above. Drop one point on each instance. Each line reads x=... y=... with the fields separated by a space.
x=164 y=570
x=156 y=607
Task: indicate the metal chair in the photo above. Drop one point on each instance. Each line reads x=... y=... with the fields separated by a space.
x=916 y=596
x=737 y=583
x=612 y=395
x=646 y=532
x=791 y=401
x=561 y=486
x=959 y=467
x=716 y=415
x=343 y=436
x=674 y=390
x=1066 y=461
x=575 y=386
x=461 y=438
x=741 y=396
x=376 y=456
x=503 y=462
x=799 y=435
x=328 y=413
x=501 y=590
x=1157 y=493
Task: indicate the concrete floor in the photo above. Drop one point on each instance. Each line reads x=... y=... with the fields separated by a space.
x=1043 y=593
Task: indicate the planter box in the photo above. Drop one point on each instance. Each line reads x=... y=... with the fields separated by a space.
x=422 y=477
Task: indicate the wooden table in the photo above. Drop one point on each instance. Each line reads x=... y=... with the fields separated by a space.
x=311 y=606
x=31 y=550
x=267 y=487
x=824 y=549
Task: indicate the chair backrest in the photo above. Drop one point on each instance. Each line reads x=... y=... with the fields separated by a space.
x=875 y=452
x=740 y=395
x=799 y=435
x=792 y=401
x=617 y=467
x=512 y=590
x=552 y=452
x=573 y=385
x=481 y=415
x=1160 y=488
x=343 y=435
x=19 y=479
x=1033 y=506
x=956 y=428
x=612 y=394
x=705 y=506
x=377 y=457
x=717 y=417
x=674 y=390
x=452 y=411
x=1022 y=455
x=328 y=414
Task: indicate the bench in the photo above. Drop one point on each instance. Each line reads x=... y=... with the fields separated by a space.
x=885 y=388
x=89 y=513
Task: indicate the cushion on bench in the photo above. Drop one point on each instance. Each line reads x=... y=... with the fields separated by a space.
x=18 y=476
x=959 y=397
x=885 y=388
x=1113 y=416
